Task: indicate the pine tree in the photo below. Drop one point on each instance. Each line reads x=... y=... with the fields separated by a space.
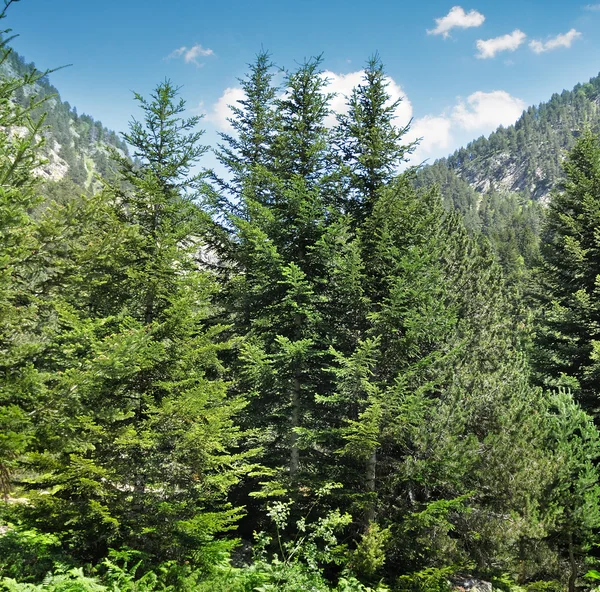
x=247 y=152
x=146 y=449
x=22 y=307
x=370 y=142
x=568 y=333
x=279 y=219
x=574 y=497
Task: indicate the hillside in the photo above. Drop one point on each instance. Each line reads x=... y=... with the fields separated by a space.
x=501 y=183
x=77 y=146
x=525 y=157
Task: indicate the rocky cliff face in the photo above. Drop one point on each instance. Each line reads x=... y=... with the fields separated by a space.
x=77 y=146
x=526 y=158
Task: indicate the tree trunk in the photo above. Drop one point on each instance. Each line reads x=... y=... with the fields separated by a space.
x=370 y=483
x=573 y=574
x=294 y=450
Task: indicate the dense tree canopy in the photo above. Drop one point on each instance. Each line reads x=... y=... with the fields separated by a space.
x=312 y=351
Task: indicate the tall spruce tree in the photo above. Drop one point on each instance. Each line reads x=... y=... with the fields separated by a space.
x=139 y=445
x=370 y=140
x=414 y=393
x=276 y=292
x=377 y=337
x=568 y=334
x=573 y=501
x=23 y=309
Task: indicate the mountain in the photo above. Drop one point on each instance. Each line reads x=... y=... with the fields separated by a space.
x=526 y=157
x=500 y=184
x=77 y=146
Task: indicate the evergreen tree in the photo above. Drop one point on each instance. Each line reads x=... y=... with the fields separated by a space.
x=247 y=152
x=370 y=142
x=278 y=221
x=567 y=337
x=139 y=445
x=574 y=497
x=22 y=308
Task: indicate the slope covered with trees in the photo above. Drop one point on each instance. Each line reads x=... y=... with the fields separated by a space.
x=77 y=147
x=500 y=183
x=526 y=157
x=340 y=399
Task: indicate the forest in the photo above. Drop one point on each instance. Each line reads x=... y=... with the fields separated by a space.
x=322 y=370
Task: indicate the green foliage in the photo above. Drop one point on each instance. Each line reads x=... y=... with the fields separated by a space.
x=431 y=579
x=69 y=580
x=136 y=444
x=369 y=556
x=575 y=496
x=544 y=586
x=27 y=555
x=370 y=145
x=565 y=353
x=20 y=310
x=323 y=330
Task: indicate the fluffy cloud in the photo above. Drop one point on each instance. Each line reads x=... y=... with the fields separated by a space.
x=435 y=135
x=342 y=85
x=593 y=7
x=190 y=55
x=486 y=111
x=488 y=48
x=221 y=111
x=457 y=18
x=480 y=113
x=562 y=40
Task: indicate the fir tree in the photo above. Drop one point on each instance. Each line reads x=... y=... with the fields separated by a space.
x=567 y=339
x=22 y=304
x=281 y=218
x=139 y=445
x=370 y=142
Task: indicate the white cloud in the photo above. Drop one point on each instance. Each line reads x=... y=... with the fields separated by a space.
x=488 y=48
x=435 y=133
x=342 y=85
x=592 y=7
x=480 y=113
x=190 y=55
x=486 y=111
x=457 y=18
x=221 y=111
x=562 y=40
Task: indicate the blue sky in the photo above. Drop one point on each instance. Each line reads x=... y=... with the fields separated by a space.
x=463 y=68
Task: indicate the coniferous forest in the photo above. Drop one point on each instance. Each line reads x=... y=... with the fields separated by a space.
x=308 y=372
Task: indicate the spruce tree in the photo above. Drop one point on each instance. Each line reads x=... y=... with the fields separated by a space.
x=139 y=445
x=371 y=142
x=23 y=309
x=279 y=219
x=568 y=330
x=573 y=501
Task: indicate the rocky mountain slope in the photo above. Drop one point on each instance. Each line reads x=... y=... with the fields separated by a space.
x=526 y=157
x=501 y=183
x=77 y=146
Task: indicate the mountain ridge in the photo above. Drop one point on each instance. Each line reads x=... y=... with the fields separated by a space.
x=526 y=157
x=77 y=147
